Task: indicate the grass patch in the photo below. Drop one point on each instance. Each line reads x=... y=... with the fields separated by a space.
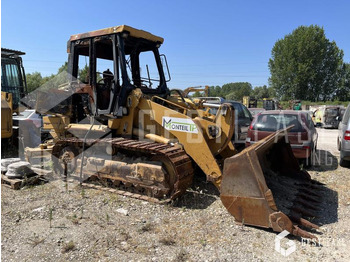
x=146 y=227
x=75 y=219
x=50 y=216
x=167 y=241
x=67 y=247
x=182 y=255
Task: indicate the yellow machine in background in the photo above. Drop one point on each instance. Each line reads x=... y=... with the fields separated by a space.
x=271 y=104
x=250 y=102
x=326 y=116
x=13 y=88
x=197 y=89
x=124 y=126
x=6 y=115
x=13 y=78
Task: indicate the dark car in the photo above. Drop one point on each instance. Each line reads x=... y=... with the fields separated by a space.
x=243 y=118
x=255 y=111
x=302 y=137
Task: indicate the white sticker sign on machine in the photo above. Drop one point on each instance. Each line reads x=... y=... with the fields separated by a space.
x=179 y=124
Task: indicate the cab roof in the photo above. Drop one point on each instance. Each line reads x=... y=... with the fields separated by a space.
x=119 y=29
x=5 y=52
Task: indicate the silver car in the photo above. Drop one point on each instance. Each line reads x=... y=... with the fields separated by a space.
x=344 y=138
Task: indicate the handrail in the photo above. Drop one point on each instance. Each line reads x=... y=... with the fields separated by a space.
x=171 y=103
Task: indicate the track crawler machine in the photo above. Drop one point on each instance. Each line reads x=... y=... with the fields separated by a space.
x=124 y=126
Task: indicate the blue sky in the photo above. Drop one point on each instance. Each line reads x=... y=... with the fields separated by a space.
x=206 y=42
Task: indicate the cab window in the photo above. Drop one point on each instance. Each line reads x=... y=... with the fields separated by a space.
x=148 y=69
x=246 y=113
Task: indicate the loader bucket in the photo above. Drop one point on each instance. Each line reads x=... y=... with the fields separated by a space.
x=264 y=186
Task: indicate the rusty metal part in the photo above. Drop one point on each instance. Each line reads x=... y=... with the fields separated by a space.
x=80 y=130
x=65 y=161
x=264 y=186
x=302 y=233
x=166 y=173
x=295 y=217
x=125 y=193
x=153 y=137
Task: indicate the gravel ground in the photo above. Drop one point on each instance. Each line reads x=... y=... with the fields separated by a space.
x=59 y=222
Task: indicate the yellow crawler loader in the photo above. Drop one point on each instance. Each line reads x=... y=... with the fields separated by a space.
x=121 y=123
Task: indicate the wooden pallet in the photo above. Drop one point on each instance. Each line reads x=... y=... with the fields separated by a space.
x=16 y=183
x=13 y=183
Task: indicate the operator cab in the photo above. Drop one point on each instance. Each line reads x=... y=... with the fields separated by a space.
x=12 y=75
x=107 y=64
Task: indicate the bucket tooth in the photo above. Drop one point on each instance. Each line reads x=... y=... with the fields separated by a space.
x=296 y=217
x=307 y=223
x=302 y=233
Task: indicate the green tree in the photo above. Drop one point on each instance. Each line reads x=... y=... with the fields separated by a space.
x=260 y=92
x=306 y=65
x=214 y=91
x=54 y=80
x=83 y=74
x=343 y=92
x=271 y=92
x=197 y=94
x=236 y=91
x=34 y=81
